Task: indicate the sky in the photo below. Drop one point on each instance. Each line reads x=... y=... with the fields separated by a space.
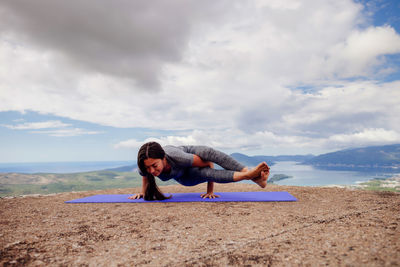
x=93 y=80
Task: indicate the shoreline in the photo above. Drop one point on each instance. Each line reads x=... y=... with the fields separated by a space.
x=388 y=184
x=30 y=185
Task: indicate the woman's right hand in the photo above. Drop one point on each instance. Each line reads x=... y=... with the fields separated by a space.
x=137 y=196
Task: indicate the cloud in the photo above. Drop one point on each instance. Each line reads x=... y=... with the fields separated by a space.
x=228 y=140
x=351 y=107
x=362 y=51
x=168 y=140
x=66 y=132
x=231 y=74
x=269 y=142
x=37 y=125
x=367 y=137
x=126 y=39
x=130 y=144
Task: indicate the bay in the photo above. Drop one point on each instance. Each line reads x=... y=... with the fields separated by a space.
x=307 y=175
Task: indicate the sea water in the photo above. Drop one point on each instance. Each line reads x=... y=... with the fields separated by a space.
x=306 y=175
x=61 y=167
x=302 y=175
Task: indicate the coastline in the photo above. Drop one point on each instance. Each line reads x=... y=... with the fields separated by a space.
x=47 y=180
x=391 y=184
x=282 y=173
x=388 y=184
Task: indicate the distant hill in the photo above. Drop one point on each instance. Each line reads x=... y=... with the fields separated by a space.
x=129 y=168
x=373 y=157
x=12 y=184
x=242 y=158
x=254 y=160
x=251 y=160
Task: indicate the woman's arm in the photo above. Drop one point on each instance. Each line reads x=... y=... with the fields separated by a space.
x=198 y=162
x=144 y=186
x=210 y=191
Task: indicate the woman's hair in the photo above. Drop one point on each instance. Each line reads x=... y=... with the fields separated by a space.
x=155 y=151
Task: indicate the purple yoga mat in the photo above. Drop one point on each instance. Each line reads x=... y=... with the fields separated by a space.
x=259 y=196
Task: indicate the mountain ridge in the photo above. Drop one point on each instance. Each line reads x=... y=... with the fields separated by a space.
x=385 y=157
x=363 y=158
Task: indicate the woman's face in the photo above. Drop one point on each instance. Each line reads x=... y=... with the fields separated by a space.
x=154 y=166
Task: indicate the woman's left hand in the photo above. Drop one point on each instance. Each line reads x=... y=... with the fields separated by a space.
x=209 y=195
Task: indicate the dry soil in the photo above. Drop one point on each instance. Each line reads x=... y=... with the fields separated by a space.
x=326 y=226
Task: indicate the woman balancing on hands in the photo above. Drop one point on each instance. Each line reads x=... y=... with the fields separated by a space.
x=191 y=165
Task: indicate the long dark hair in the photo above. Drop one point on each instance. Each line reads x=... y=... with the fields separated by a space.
x=155 y=151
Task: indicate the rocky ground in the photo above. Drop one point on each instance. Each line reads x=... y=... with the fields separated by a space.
x=327 y=226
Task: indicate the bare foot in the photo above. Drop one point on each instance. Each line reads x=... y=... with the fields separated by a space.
x=256 y=172
x=262 y=180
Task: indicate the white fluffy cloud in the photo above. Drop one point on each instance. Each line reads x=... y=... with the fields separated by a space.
x=367 y=136
x=227 y=140
x=37 y=125
x=66 y=132
x=361 y=52
x=228 y=73
x=52 y=128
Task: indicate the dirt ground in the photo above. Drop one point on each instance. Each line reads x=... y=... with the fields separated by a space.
x=327 y=226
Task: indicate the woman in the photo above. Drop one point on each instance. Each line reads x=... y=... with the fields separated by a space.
x=191 y=165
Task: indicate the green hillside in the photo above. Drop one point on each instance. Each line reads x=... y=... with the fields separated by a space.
x=13 y=184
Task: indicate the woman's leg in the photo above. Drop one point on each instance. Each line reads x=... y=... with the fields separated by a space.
x=253 y=174
x=233 y=170
x=207 y=174
x=196 y=175
x=210 y=154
